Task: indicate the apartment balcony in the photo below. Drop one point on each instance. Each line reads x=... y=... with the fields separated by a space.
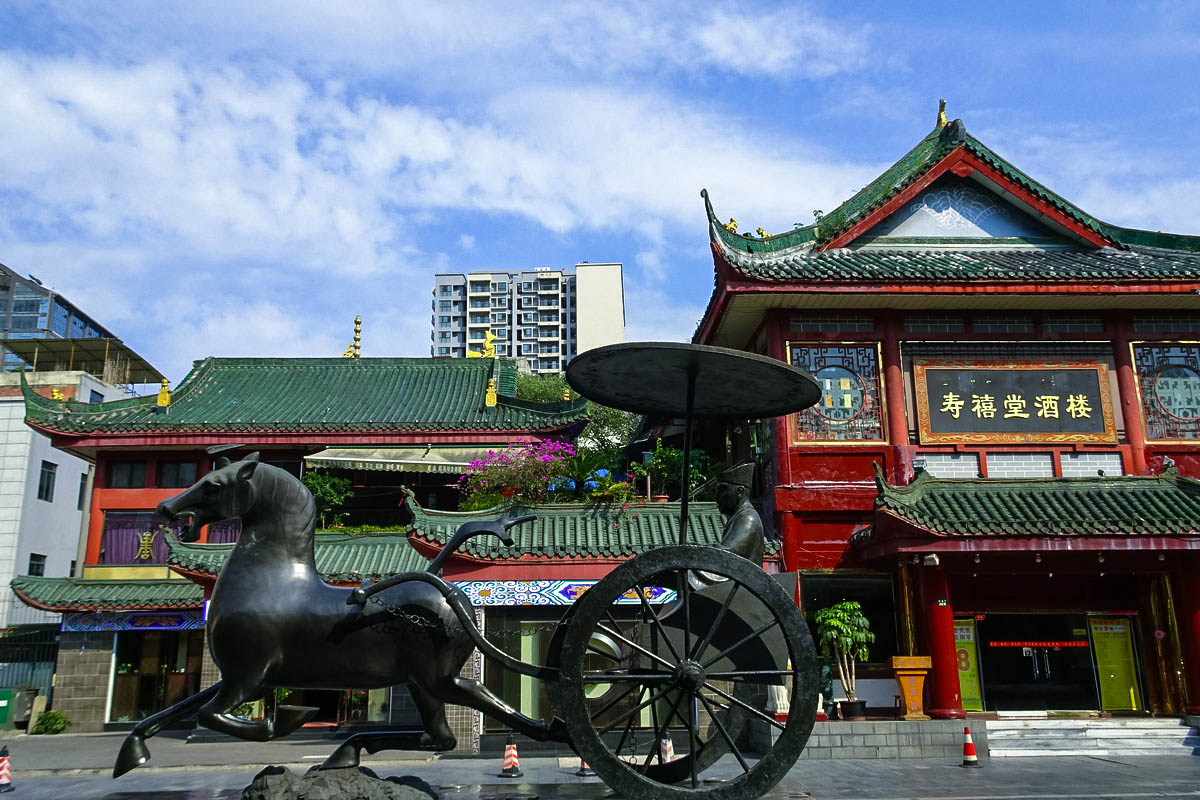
x=549 y=288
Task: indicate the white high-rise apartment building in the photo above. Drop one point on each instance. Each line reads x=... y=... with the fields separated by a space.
x=545 y=315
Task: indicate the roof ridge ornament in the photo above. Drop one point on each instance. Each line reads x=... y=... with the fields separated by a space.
x=941 y=117
x=354 y=349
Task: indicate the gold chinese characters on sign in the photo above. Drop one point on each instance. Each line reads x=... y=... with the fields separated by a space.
x=1013 y=402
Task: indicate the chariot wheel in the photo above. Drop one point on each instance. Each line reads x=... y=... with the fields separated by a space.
x=683 y=642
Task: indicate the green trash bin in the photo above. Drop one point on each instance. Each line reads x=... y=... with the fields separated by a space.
x=6 y=708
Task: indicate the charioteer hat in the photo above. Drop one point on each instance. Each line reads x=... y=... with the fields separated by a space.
x=741 y=475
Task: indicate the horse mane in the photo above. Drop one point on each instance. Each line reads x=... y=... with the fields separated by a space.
x=280 y=491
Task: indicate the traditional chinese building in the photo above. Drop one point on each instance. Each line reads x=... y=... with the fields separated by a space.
x=1002 y=467
x=132 y=632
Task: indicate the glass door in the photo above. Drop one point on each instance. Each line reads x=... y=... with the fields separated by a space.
x=1037 y=662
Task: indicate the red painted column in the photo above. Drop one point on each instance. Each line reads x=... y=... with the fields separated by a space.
x=945 y=696
x=1189 y=628
x=1131 y=404
x=893 y=390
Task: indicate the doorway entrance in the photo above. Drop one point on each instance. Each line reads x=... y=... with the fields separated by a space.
x=1037 y=662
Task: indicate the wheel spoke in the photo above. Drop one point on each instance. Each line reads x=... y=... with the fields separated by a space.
x=744 y=705
x=610 y=703
x=693 y=735
x=636 y=646
x=656 y=745
x=662 y=631
x=633 y=711
x=700 y=648
x=748 y=637
x=687 y=611
x=733 y=748
x=593 y=649
x=626 y=677
x=750 y=673
x=628 y=726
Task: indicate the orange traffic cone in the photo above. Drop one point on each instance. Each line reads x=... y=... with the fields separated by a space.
x=584 y=770
x=5 y=771
x=969 y=757
x=512 y=766
x=666 y=749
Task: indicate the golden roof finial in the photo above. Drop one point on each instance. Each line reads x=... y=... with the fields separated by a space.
x=566 y=395
x=164 y=394
x=489 y=349
x=57 y=393
x=761 y=233
x=489 y=397
x=354 y=349
x=731 y=226
x=941 y=123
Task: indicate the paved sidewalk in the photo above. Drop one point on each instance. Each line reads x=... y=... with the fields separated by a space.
x=77 y=766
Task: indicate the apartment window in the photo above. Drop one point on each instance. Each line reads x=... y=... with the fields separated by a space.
x=46 y=482
x=832 y=324
x=1002 y=325
x=933 y=324
x=502 y=286
x=1073 y=325
x=444 y=305
x=1164 y=324
x=37 y=564
x=176 y=474
x=446 y=290
x=95 y=397
x=444 y=335
x=443 y=351
x=82 y=492
x=127 y=475
x=444 y=320
x=501 y=333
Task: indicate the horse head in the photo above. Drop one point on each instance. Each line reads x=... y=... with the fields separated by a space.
x=225 y=492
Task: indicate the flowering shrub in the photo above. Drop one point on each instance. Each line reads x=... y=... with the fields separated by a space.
x=525 y=471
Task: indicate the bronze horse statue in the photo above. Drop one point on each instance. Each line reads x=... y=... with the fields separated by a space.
x=273 y=622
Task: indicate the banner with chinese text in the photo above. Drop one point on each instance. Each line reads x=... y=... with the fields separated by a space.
x=967 y=654
x=1115 y=666
x=1013 y=402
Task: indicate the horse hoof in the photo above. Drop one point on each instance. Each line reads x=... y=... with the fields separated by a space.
x=442 y=744
x=133 y=754
x=345 y=757
x=289 y=718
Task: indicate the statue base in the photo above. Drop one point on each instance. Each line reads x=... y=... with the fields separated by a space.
x=278 y=783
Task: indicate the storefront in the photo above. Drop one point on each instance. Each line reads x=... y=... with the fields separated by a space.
x=1007 y=435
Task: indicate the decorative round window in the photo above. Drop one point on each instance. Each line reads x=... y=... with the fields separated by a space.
x=1177 y=391
x=843 y=394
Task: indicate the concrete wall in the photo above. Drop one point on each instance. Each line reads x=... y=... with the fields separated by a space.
x=85 y=662
x=893 y=739
x=600 y=311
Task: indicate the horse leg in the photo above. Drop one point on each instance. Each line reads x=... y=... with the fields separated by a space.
x=216 y=715
x=438 y=735
x=473 y=694
x=435 y=734
x=133 y=750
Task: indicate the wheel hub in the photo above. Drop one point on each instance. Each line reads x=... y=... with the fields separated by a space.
x=689 y=675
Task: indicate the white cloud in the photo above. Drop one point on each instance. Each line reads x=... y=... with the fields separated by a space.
x=466 y=241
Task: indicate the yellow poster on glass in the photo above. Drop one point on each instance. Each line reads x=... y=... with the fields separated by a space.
x=1112 y=639
x=967 y=654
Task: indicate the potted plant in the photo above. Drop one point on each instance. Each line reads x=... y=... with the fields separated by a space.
x=663 y=467
x=843 y=633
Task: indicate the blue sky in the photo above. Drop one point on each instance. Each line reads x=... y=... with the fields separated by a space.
x=243 y=178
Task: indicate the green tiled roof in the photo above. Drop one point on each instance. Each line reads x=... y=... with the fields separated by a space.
x=953 y=266
x=1165 y=505
x=561 y=531
x=340 y=558
x=579 y=531
x=319 y=394
x=788 y=256
x=79 y=594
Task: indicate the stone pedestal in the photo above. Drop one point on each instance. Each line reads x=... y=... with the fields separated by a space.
x=910 y=677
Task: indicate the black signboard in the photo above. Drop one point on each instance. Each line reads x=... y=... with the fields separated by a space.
x=1013 y=402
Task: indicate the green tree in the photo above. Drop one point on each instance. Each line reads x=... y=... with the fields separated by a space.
x=542 y=388
x=329 y=492
x=843 y=633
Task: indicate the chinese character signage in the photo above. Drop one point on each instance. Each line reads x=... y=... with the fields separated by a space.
x=850 y=409
x=1168 y=377
x=1013 y=402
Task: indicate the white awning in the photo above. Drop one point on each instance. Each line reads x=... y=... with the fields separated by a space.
x=435 y=458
